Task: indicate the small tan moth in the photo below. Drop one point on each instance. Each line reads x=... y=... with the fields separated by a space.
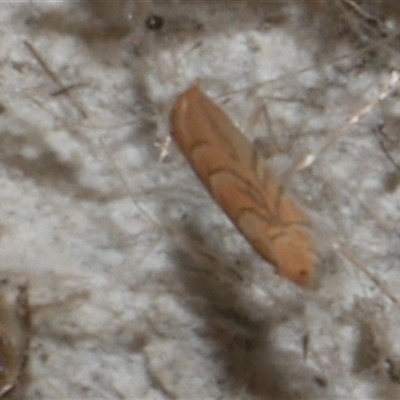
x=236 y=177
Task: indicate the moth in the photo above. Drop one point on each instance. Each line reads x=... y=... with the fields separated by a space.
x=233 y=172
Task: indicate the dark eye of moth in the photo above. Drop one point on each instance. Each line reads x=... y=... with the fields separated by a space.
x=154 y=22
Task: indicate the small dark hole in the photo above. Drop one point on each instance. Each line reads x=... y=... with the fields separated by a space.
x=155 y=22
x=321 y=381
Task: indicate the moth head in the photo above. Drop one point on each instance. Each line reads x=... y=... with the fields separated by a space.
x=296 y=255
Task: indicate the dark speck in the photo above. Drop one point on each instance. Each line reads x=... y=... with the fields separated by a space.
x=154 y=22
x=321 y=381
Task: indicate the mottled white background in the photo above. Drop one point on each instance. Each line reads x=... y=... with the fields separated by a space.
x=140 y=288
